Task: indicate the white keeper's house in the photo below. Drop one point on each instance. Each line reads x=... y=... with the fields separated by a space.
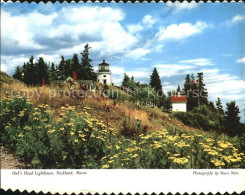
x=104 y=74
x=179 y=103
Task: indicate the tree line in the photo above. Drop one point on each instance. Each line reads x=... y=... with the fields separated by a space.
x=32 y=73
x=202 y=113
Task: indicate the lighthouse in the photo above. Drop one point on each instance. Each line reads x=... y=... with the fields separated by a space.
x=104 y=74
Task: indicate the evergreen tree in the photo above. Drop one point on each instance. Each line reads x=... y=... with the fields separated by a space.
x=53 y=72
x=232 y=119
x=155 y=82
x=62 y=69
x=211 y=106
x=18 y=73
x=68 y=72
x=168 y=104
x=192 y=92
x=42 y=71
x=86 y=71
x=203 y=94
x=75 y=66
x=219 y=107
x=125 y=80
x=221 y=113
x=178 y=90
x=29 y=71
x=187 y=85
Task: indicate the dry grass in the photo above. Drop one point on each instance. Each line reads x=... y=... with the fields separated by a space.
x=110 y=112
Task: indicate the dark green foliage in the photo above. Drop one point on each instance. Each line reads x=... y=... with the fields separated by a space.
x=155 y=82
x=167 y=105
x=62 y=68
x=232 y=120
x=201 y=118
x=221 y=113
x=129 y=83
x=203 y=100
x=86 y=71
x=41 y=72
x=18 y=73
x=32 y=73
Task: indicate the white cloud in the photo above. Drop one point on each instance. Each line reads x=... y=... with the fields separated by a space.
x=198 y=62
x=177 y=6
x=241 y=60
x=8 y=63
x=181 y=31
x=238 y=18
x=169 y=70
x=49 y=58
x=18 y=31
x=148 y=20
x=65 y=32
x=138 y=53
x=134 y=28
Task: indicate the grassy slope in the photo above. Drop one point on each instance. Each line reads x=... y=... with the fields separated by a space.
x=110 y=111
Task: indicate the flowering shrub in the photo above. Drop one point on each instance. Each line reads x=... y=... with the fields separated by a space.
x=79 y=140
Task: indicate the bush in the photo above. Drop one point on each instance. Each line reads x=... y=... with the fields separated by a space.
x=80 y=140
x=201 y=118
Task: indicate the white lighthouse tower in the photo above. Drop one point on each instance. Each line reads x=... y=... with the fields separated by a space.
x=104 y=74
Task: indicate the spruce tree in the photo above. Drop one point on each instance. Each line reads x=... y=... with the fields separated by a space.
x=192 y=93
x=219 y=107
x=42 y=71
x=203 y=94
x=221 y=113
x=75 y=66
x=61 y=69
x=187 y=84
x=232 y=119
x=155 y=82
x=86 y=71
x=178 y=90
x=125 y=80
x=18 y=73
x=53 y=72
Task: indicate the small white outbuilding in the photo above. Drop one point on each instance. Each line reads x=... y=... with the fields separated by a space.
x=179 y=103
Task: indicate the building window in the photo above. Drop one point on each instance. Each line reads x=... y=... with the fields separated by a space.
x=104 y=75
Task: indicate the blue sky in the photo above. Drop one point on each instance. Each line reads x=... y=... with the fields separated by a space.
x=134 y=38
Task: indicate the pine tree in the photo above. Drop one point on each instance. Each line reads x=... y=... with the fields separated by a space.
x=125 y=80
x=53 y=72
x=178 y=90
x=62 y=69
x=221 y=113
x=68 y=71
x=232 y=119
x=191 y=91
x=86 y=71
x=219 y=107
x=203 y=94
x=155 y=82
x=42 y=70
x=18 y=73
x=75 y=65
x=187 y=85
x=168 y=104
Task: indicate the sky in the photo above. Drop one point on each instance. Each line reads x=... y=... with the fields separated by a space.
x=176 y=38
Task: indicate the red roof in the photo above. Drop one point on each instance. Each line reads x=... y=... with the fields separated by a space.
x=182 y=98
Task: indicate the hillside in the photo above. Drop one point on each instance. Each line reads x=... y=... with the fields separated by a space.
x=5 y=78
x=98 y=132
